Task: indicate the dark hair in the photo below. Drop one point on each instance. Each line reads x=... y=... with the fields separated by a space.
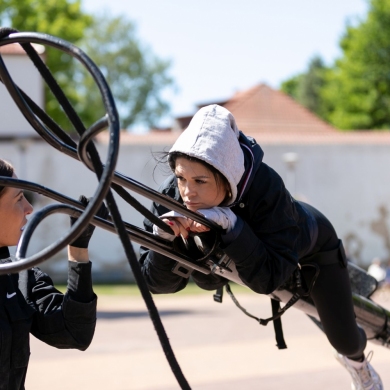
x=219 y=178
x=6 y=169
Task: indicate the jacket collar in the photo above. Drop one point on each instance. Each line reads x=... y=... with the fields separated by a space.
x=253 y=157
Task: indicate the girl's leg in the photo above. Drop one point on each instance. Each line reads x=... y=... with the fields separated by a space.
x=332 y=296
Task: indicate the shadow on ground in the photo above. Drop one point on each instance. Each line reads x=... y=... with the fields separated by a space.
x=113 y=315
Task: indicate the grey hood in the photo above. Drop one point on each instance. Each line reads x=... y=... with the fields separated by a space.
x=212 y=136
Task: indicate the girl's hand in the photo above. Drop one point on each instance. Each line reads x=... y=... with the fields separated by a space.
x=182 y=226
x=197 y=227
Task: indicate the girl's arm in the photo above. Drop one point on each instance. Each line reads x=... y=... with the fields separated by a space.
x=63 y=320
x=263 y=243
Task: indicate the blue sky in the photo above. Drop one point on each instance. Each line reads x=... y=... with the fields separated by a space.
x=220 y=46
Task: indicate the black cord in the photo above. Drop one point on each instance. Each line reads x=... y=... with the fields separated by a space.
x=27 y=110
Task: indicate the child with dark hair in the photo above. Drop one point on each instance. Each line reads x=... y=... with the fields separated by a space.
x=29 y=302
x=219 y=172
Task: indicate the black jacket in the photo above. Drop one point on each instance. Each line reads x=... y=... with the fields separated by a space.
x=272 y=232
x=29 y=303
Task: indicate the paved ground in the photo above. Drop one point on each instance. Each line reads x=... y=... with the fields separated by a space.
x=217 y=347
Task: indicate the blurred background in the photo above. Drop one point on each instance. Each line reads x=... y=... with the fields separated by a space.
x=308 y=80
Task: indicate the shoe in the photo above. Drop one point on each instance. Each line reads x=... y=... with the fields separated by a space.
x=364 y=378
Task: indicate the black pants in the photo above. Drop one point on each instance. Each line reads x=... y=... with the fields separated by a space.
x=332 y=296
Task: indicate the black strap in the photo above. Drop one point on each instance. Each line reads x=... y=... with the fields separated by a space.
x=229 y=291
x=218 y=295
x=280 y=343
x=281 y=310
x=276 y=313
x=321 y=258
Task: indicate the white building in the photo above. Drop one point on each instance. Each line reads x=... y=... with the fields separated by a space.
x=26 y=76
x=343 y=174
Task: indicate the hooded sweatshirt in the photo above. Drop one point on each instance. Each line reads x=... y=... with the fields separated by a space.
x=272 y=232
x=212 y=136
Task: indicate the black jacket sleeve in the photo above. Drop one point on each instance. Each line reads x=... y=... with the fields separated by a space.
x=264 y=250
x=157 y=269
x=63 y=320
x=263 y=244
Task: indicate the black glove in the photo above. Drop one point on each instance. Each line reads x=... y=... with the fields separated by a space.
x=82 y=240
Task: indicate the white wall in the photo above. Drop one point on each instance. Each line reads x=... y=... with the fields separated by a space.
x=44 y=165
x=26 y=76
x=348 y=183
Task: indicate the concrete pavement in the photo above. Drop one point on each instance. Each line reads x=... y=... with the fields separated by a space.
x=217 y=347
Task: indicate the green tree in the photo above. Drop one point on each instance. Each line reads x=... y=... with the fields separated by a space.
x=137 y=78
x=61 y=18
x=135 y=75
x=358 y=87
x=306 y=88
x=309 y=92
x=291 y=86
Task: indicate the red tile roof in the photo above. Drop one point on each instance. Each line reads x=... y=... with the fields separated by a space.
x=12 y=48
x=325 y=138
x=271 y=117
x=16 y=49
x=262 y=109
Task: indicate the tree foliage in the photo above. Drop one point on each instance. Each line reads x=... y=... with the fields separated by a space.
x=354 y=93
x=311 y=84
x=61 y=18
x=306 y=88
x=359 y=85
x=137 y=78
x=291 y=86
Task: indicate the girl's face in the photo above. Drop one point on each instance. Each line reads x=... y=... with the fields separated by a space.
x=197 y=185
x=14 y=208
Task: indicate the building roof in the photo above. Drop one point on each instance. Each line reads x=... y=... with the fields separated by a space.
x=271 y=117
x=16 y=49
x=367 y=137
x=262 y=109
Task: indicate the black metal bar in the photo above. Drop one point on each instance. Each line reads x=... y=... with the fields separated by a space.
x=370 y=315
x=40 y=122
x=137 y=234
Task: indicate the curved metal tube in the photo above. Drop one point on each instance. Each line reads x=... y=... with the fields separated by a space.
x=371 y=316
x=86 y=153
x=112 y=121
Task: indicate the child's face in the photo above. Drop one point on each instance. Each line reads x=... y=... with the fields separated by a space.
x=14 y=208
x=197 y=185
